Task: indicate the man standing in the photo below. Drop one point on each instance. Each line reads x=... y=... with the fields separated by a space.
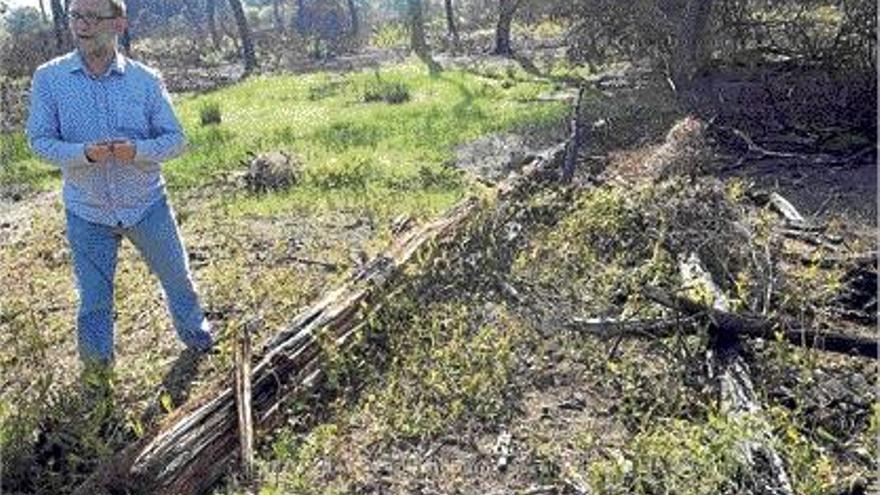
x=107 y=122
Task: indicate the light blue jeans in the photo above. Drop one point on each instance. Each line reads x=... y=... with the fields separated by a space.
x=95 y=248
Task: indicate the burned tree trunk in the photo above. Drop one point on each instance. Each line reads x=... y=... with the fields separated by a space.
x=689 y=47
x=59 y=23
x=452 y=29
x=247 y=45
x=355 y=20
x=506 y=11
x=417 y=35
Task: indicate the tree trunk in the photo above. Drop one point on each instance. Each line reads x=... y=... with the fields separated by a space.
x=132 y=12
x=417 y=36
x=210 y=18
x=355 y=21
x=59 y=21
x=451 y=27
x=278 y=16
x=689 y=55
x=506 y=10
x=43 y=14
x=247 y=45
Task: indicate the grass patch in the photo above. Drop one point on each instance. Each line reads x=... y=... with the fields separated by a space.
x=19 y=169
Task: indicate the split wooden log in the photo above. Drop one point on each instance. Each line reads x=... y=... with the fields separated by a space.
x=243 y=404
x=738 y=397
x=785 y=208
x=750 y=325
x=195 y=450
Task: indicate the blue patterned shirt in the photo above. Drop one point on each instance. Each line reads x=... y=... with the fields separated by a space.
x=70 y=108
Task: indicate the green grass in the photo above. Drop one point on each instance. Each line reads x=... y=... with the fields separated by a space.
x=356 y=154
x=18 y=167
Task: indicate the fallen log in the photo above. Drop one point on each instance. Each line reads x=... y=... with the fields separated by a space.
x=737 y=392
x=200 y=442
x=761 y=327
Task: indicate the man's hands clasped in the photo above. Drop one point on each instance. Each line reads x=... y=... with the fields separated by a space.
x=123 y=150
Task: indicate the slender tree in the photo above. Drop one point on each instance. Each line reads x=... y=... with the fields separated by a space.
x=59 y=22
x=278 y=16
x=450 y=25
x=355 y=22
x=506 y=11
x=247 y=45
x=211 y=19
x=417 y=35
x=42 y=11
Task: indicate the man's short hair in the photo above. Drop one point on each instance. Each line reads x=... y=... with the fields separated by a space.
x=117 y=7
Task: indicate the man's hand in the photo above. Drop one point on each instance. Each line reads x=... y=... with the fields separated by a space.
x=99 y=152
x=123 y=150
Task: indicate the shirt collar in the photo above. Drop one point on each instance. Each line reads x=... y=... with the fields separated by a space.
x=116 y=66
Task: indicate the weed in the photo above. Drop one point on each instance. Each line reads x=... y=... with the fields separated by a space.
x=209 y=113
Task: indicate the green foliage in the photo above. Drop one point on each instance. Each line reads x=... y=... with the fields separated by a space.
x=391 y=92
x=446 y=365
x=390 y=35
x=677 y=456
x=605 y=247
x=209 y=113
x=19 y=168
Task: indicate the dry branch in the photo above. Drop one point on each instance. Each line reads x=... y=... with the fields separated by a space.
x=768 y=328
x=191 y=454
x=738 y=398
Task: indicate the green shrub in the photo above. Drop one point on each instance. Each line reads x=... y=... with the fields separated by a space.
x=392 y=93
x=209 y=113
x=390 y=35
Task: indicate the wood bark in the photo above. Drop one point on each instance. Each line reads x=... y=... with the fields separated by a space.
x=737 y=392
x=689 y=53
x=451 y=27
x=243 y=394
x=43 y=15
x=247 y=45
x=417 y=35
x=506 y=10
x=195 y=450
x=59 y=23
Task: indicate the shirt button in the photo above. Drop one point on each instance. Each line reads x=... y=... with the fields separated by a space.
x=119 y=223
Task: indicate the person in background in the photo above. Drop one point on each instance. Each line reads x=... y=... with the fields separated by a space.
x=107 y=122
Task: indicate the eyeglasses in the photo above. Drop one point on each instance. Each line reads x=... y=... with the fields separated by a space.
x=89 y=17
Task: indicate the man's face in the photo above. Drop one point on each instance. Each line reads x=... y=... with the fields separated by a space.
x=94 y=26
